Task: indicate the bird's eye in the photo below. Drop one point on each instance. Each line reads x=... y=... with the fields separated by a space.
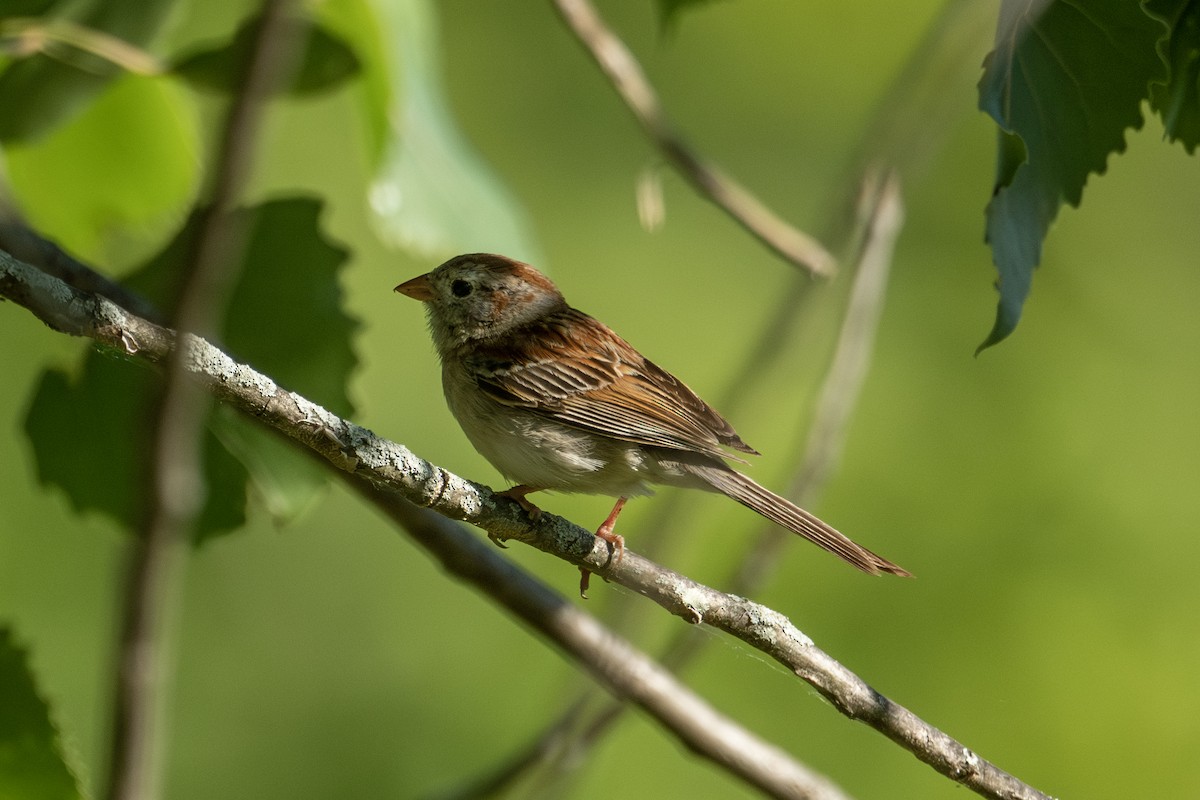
x=460 y=288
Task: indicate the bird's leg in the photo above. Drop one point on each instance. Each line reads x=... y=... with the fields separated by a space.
x=518 y=493
x=605 y=531
x=615 y=542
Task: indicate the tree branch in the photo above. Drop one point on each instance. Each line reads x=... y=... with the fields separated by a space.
x=619 y=64
x=364 y=455
x=615 y=663
x=392 y=478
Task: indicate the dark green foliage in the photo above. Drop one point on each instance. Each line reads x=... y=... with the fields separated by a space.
x=1177 y=98
x=1063 y=85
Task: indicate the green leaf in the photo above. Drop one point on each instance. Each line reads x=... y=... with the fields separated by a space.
x=434 y=194
x=41 y=92
x=1177 y=99
x=324 y=60
x=91 y=437
x=31 y=762
x=285 y=317
x=130 y=161
x=1063 y=87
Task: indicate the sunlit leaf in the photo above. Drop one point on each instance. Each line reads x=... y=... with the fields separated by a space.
x=1063 y=85
x=39 y=92
x=31 y=762
x=324 y=60
x=434 y=194
x=129 y=161
x=1177 y=99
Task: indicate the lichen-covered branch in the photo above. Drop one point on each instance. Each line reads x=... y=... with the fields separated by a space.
x=397 y=470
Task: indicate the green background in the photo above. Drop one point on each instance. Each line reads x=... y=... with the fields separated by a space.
x=1044 y=494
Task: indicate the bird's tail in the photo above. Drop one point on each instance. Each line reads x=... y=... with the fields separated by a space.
x=796 y=519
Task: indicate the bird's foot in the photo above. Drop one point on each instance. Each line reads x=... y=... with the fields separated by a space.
x=518 y=493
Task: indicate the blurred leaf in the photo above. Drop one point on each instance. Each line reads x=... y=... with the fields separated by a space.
x=1063 y=85
x=434 y=194
x=91 y=438
x=48 y=91
x=1177 y=99
x=357 y=23
x=31 y=762
x=324 y=60
x=129 y=160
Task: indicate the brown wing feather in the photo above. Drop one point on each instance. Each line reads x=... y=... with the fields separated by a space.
x=580 y=373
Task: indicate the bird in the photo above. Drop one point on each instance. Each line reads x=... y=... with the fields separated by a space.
x=556 y=400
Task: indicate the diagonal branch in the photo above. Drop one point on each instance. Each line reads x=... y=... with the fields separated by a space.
x=382 y=463
x=619 y=64
x=612 y=661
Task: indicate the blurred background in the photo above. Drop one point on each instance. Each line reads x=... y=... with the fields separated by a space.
x=1043 y=493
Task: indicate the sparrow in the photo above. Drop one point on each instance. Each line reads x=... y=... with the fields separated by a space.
x=555 y=400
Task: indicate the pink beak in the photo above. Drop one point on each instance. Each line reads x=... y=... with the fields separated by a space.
x=418 y=288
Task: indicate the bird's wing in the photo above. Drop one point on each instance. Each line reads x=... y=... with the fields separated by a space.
x=573 y=369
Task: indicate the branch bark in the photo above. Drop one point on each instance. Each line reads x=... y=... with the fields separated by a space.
x=392 y=468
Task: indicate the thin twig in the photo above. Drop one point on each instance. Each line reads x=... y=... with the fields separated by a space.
x=158 y=556
x=354 y=449
x=622 y=68
x=25 y=36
